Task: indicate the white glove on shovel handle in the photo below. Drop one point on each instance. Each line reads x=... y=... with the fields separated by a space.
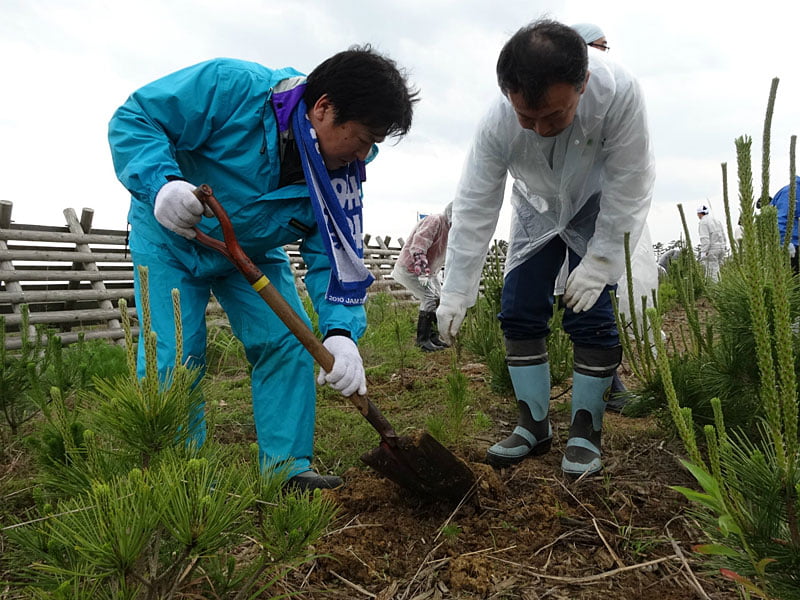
x=347 y=375
x=178 y=209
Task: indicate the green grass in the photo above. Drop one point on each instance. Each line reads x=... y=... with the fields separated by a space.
x=342 y=436
x=229 y=409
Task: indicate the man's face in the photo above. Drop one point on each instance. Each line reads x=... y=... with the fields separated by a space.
x=343 y=143
x=556 y=112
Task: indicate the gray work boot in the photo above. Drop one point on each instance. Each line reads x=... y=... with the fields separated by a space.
x=591 y=386
x=311 y=480
x=530 y=375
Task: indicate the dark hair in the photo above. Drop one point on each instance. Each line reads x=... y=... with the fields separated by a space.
x=539 y=55
x=366 y=87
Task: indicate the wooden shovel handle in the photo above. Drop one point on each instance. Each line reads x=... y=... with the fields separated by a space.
x=231 y=249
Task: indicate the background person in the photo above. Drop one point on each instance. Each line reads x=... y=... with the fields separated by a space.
x=593 y=36
x=667 y=258
x=572 y=132
x=713 y=247
x=781 y=201
x=417 y=268
x=285 y=156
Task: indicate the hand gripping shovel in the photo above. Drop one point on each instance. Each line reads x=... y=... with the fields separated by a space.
x=417 y=463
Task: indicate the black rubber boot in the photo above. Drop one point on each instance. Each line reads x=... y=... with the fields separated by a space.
x=435 y=335
x=425 y=330
x=619 y=396
x=311 y=480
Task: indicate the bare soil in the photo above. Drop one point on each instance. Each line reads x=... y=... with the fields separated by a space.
x=531 y=534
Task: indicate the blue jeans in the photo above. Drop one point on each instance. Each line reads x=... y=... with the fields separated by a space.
x=527 y=302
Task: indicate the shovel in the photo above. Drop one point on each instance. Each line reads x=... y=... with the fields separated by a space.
x=418 y=463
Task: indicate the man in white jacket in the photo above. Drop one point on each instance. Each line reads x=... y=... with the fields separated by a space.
x=713 y=246
x=572 y=132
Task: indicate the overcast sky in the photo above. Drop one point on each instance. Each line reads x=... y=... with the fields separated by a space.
x=67 y=65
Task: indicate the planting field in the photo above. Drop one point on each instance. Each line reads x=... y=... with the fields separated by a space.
x=104 y=494
x=101 y=498
x=532 y=533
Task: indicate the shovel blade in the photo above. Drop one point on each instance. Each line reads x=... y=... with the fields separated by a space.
x=423 y=466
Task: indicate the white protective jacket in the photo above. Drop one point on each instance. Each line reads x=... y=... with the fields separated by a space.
x=606 y=149
x=712 y=237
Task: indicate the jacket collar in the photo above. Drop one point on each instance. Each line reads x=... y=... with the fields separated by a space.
x=285 y=96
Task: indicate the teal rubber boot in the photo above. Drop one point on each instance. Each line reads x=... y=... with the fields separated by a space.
x=589 y=396
x=533 y=434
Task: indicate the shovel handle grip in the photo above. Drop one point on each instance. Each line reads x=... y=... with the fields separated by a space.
x=231 y=249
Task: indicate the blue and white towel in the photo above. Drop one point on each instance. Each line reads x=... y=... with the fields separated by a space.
x=336 y=198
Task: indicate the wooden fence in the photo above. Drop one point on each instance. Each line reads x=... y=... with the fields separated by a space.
x=71 y=277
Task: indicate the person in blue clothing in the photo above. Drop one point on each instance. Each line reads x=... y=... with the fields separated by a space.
x=285 y=155
x=781 y=201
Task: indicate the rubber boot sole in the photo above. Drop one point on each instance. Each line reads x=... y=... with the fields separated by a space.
x=539 y=449
x=575 y=471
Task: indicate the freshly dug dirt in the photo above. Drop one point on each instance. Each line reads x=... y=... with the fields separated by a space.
x=531 y=534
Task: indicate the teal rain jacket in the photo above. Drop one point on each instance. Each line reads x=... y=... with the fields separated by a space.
x=214 y=123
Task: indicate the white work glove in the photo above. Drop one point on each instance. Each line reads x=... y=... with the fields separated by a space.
x=584 y=286
x=347 y=375
x=178 y=209
x=449 y=317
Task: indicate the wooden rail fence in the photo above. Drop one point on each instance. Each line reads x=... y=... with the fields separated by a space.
x=71 y=277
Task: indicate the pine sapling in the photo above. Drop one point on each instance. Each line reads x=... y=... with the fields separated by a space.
x=749 y=500
x=634 y=336
x=149 y=414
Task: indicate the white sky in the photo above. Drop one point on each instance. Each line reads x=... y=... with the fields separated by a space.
x=66 y=65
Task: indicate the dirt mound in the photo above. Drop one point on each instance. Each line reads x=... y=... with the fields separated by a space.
x=533 y=533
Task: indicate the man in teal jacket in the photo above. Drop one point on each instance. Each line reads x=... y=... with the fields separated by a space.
x=285 y=156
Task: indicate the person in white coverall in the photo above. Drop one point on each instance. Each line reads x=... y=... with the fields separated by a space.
x=417 y=267
x=571 y=130
x=713 y=246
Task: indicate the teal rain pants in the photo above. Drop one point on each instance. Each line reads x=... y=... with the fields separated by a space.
x=282 y=379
